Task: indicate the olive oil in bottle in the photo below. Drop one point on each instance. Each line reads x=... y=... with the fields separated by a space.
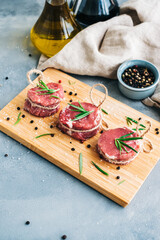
x=55 y=27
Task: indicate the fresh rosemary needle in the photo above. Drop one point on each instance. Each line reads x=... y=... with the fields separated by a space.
x=45 y=134
x=80 y=163
x=104 y=111
x=18 y=119
x=101 y=170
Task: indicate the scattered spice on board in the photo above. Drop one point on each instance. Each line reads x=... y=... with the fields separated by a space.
x=6 y=78
x=118 y=177
x=70 y=93
x=7 y=118
x=23 y=116
x=18 y=108
x=36 y=128
x=31 y=121
x=89 y=146
x=73 y=149
x=138 y=77
x=118 y=168
x=5 y=155
x=30 y=55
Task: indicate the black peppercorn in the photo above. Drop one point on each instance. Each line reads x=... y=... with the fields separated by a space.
x=51 y=126
x=70 y=100
x=31 y=121
x=36 y=128
x=70 y=93
x=81 y=141
x=52 y=135
x=88 y=146
x=157 y=132
x=8 y=118
x=64 y=91
x=64 y=237
x=139 y=118
x=27 y=222
x=118 y=177
x=75 y=94
x=101 y=131
x=6 y=155
x=72 y=149
x=118 y=168
x=18 y=108
x=156 y=129
x=30 y=55
x=23 y=116
x=70 y=142
x=6 y=78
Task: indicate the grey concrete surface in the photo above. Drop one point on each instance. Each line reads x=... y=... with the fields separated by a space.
x=33 y=189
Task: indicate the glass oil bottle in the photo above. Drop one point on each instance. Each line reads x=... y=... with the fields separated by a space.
x=55 y=27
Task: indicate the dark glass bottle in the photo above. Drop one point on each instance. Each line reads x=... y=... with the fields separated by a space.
x=88 y=12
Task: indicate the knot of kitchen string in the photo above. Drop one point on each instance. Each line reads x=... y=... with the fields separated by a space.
x=146 y=141
x=36 y=71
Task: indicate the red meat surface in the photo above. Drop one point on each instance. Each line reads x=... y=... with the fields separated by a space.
x=45 y=100
x=87 y=123
x=41 y=101
x=109 y=151
x=39 y=111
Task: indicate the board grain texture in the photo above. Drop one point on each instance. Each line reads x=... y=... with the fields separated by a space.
x=57 y=149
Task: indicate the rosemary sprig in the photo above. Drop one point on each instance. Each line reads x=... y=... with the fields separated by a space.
x=45 y=88
x=18 y=119
x=130 y=120
x=83 y=113
x=119 y=142
x=121 y=182
x=104 y=111
x=45 y=134
x=101 y=170
x=80 y=163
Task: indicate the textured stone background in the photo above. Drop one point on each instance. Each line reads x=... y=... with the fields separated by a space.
x=33 y=189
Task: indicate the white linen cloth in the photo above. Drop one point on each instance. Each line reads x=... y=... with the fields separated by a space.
x=99 y=49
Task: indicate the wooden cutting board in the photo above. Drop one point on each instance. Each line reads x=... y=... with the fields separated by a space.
x=57 y=149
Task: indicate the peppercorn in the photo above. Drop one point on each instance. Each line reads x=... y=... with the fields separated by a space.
x=118 y=168
x=31 y=121
x=36 y=128
x=75 y=94
x=5 y=155
x=23 y=116
x=139 y=118
x=157 y=132
x=27 y=222
x=65 y=91
x=6 y=78
x=88 y=146
x=51 y=126
x=70 y=142
x=52 y=135
x=64 y=237
x=118 y=177
x=8 y=118
x=156 y=129
x=30 y=55
x=72 y=149
x=70 y=100
x=101 y=131
x=70 y=93
x=81 y=141
x=18 y=108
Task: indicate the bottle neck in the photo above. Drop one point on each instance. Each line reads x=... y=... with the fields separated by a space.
x=56 y=2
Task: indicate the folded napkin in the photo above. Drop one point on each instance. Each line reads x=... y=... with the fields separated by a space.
x=99 y=49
